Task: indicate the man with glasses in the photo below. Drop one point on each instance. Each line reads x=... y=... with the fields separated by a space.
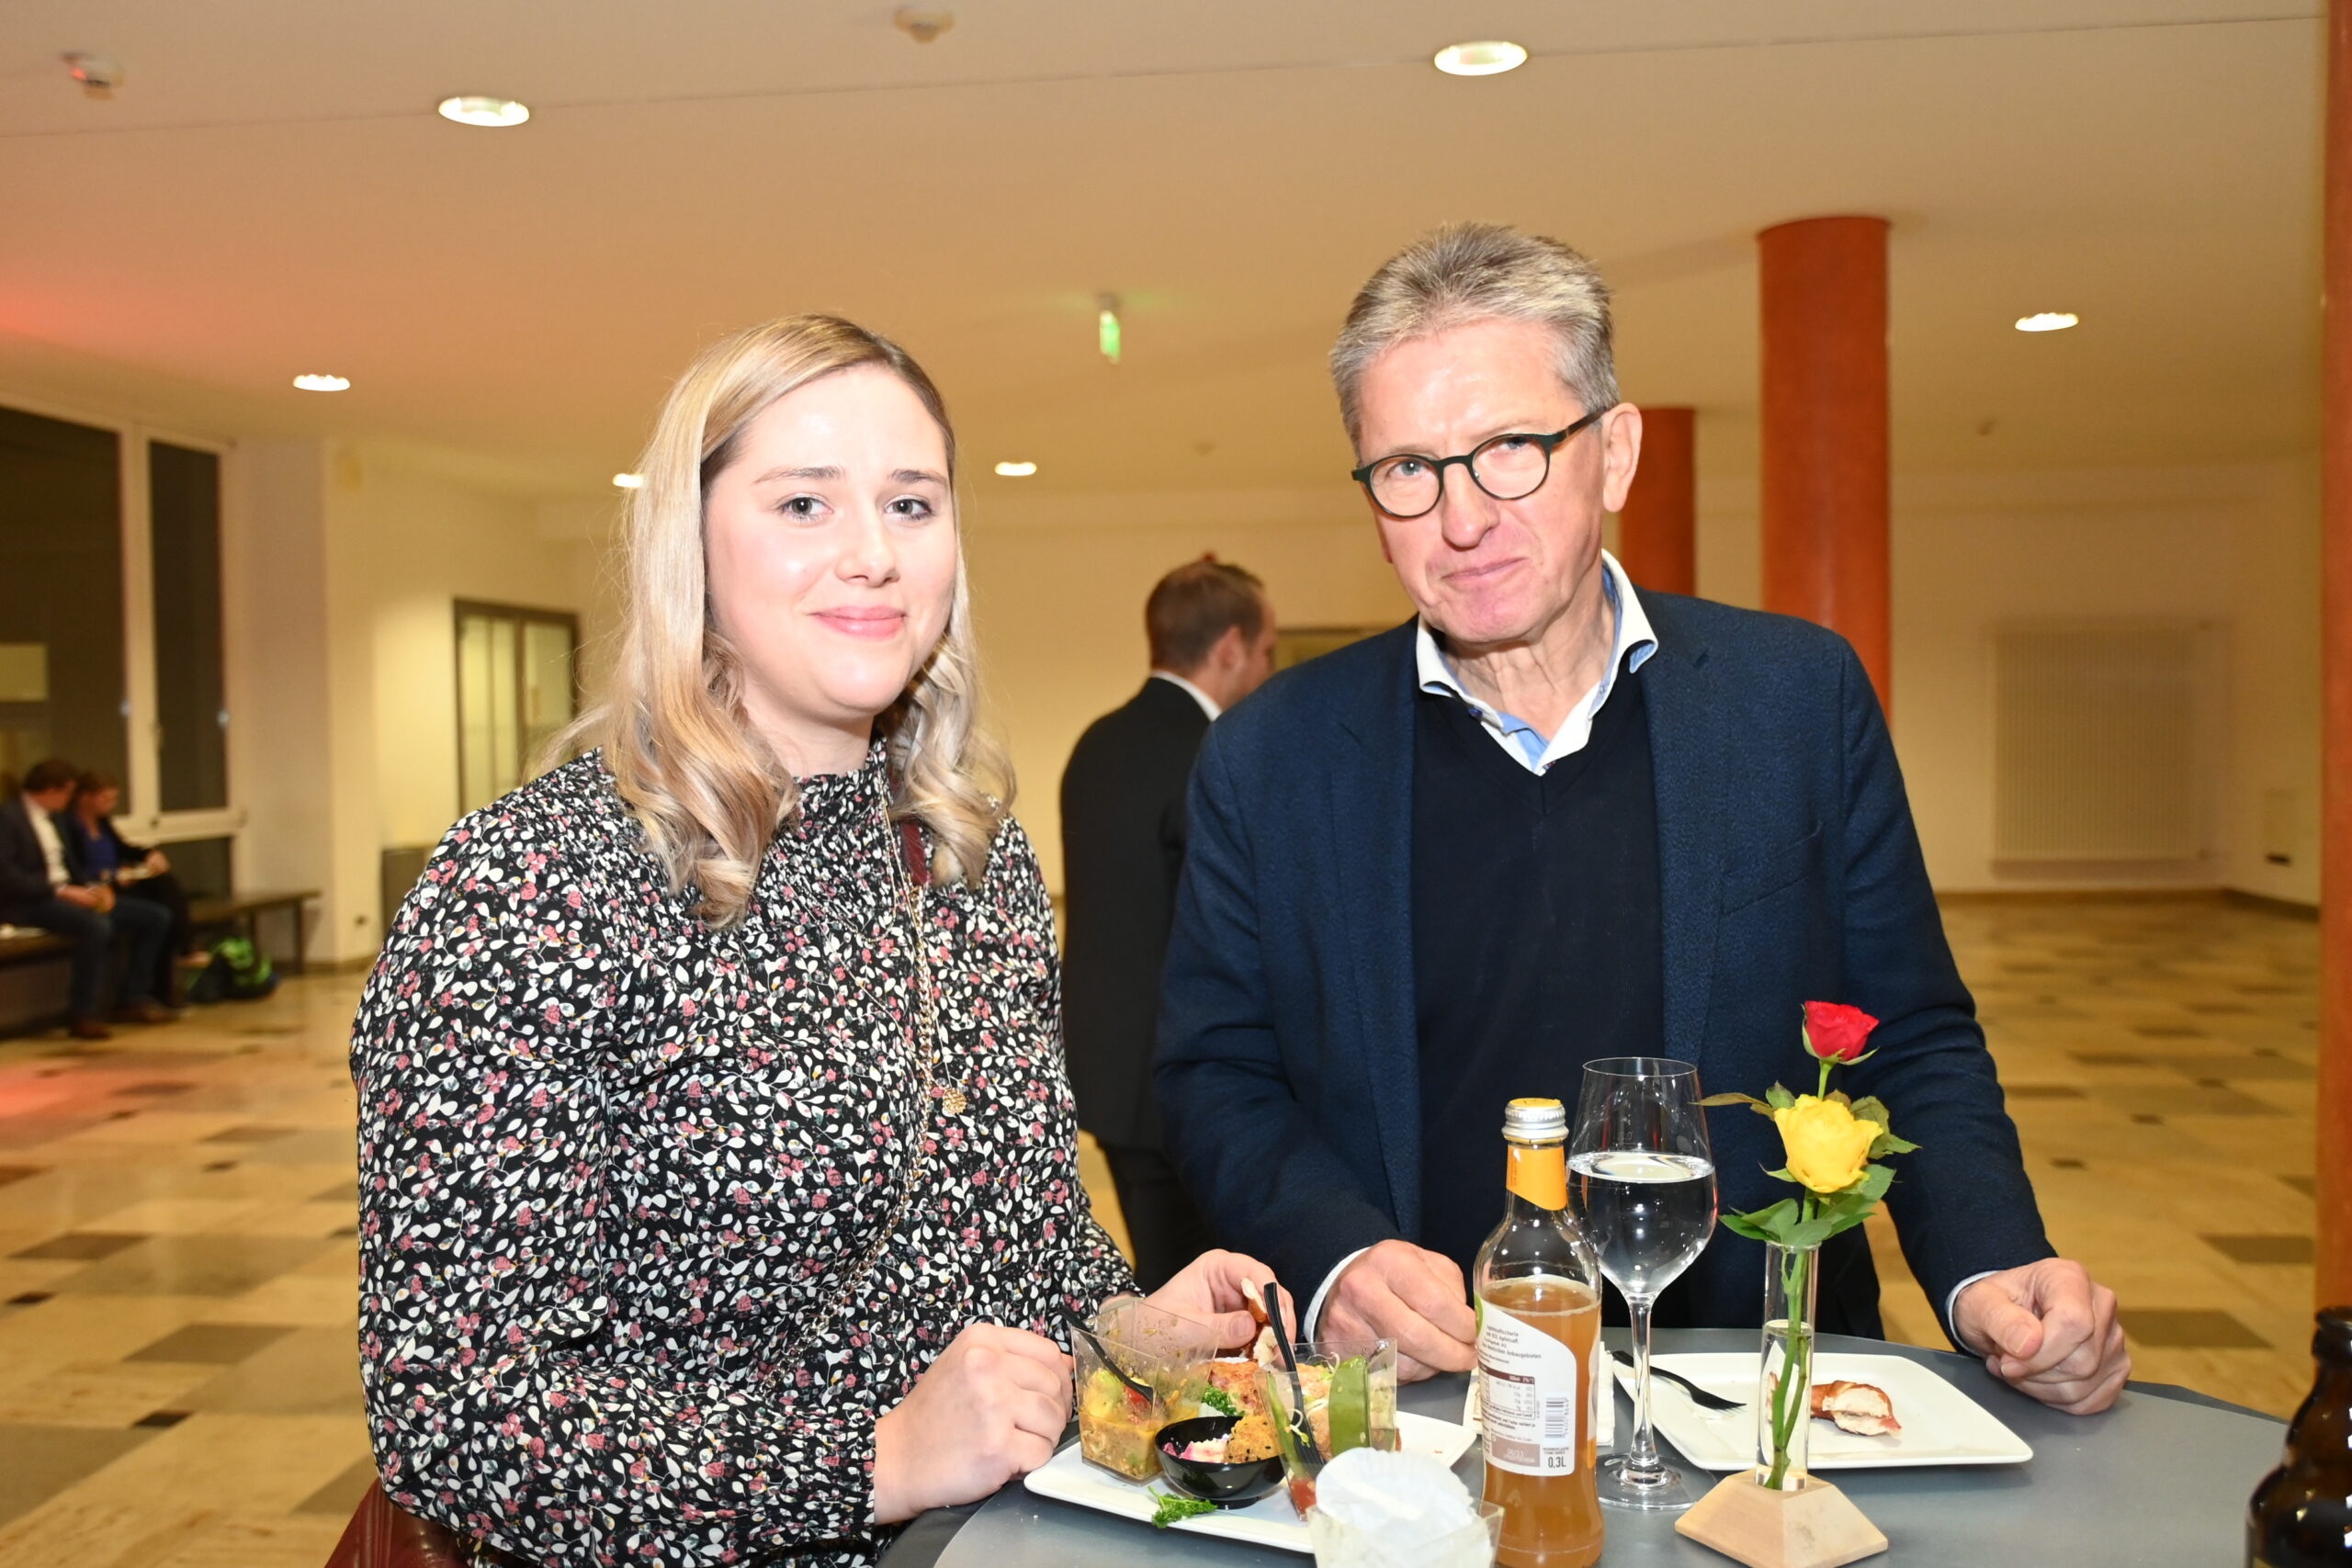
x=1549 y=820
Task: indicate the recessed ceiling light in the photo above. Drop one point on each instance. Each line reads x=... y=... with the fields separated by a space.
x=1489 y=57
x=628 y=481
x=1016 y=470
x=484 y=111
x=323 y=383
x=2047 y=321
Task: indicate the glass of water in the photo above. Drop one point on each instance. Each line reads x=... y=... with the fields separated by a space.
x=1642 y=1181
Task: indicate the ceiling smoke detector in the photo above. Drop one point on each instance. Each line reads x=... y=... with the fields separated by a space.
x=98 y=76
x=921 y=24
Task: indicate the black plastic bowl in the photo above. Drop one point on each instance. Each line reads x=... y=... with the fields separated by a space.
x=1227 y=1486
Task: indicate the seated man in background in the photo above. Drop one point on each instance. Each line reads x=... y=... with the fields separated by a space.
x=1551 y=820
x=99 y=854
x=1212 y=636
x=40 y=885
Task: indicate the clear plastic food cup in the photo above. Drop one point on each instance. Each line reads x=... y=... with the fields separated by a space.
x=1350 y=1392
x=1117 y=1425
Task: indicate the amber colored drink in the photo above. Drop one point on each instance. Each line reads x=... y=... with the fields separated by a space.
x=1539 y=1330
x=1553 y=1521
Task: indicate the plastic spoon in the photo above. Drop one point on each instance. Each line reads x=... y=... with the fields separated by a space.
x=1290 y=1364
x=1079 y=1327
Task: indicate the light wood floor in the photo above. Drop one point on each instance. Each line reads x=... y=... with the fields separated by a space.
x=177 y=1383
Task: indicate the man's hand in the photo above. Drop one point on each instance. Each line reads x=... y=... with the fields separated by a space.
x=1398 y=1290
x=2047 y=1330
x=89 y=897
x=991 y=1408
x=1217 y=1289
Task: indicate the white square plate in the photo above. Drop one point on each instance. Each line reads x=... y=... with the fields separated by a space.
x=1941 y=1425
x=1269 y=1521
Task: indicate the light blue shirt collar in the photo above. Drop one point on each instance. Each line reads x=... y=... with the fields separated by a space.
x=1635 y=642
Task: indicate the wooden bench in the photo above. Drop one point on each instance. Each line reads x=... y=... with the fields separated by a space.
x=36 y=981
x=243 y=910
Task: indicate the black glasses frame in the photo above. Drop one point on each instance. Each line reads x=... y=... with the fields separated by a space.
x=1362 y=476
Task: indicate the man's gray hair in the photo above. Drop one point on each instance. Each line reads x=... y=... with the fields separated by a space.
x=1474 y=272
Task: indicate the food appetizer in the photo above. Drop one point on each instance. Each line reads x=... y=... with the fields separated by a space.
x=1861 y=1409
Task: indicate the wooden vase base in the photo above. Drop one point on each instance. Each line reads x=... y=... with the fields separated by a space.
x=1818 y=1527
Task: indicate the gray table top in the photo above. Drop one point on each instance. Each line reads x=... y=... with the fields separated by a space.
x=2161 y=1479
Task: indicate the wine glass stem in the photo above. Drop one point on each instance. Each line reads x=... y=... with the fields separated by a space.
x=1641 y=1464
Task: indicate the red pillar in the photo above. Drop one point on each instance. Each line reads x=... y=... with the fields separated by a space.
x=2334 y=1249
x=1657 y=533
x=1825 y=504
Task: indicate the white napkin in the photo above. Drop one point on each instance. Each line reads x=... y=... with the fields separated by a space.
x=1400 y=1506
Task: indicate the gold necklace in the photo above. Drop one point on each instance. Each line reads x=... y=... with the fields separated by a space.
x=951 y=1099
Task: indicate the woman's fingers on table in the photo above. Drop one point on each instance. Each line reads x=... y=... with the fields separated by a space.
x=972 y=1421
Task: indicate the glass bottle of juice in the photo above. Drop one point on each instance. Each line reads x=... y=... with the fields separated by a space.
x=1538 y=1333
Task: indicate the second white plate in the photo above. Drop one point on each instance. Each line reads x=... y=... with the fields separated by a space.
x=1941 y=1425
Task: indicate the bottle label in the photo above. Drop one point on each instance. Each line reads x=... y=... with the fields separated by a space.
x=1528 y=1386
x=1539 y=1175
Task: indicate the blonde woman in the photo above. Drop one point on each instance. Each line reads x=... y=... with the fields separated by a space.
x=719 y=1186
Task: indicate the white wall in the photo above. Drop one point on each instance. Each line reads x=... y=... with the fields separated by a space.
x=281 y=705
x=2234 y=548
x=343 y=564
x=1058 y=586
x=419 y=541
x=2273 y=549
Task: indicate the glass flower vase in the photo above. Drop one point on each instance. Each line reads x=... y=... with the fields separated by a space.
x=1785 y=1376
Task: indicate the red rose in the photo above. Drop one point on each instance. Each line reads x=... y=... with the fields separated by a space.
x=1836 y=1032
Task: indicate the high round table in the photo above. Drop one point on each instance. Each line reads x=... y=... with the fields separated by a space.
x=2159 y=1480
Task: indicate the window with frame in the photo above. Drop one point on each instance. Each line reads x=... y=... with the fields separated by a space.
x=517 y=687
x=111 y=652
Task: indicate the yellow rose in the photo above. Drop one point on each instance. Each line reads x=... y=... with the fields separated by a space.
x=1828 y=1145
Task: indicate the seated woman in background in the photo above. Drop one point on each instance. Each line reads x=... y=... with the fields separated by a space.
x=101 y=855
x=719 y=1191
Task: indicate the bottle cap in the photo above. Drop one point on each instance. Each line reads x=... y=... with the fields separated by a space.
x=1535 y=1121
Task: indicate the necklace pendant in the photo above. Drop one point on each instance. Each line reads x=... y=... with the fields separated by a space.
x=954 y=1100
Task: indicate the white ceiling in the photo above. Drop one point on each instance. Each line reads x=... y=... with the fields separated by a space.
x=270 y=192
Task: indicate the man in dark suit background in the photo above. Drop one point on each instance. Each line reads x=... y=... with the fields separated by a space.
x=41 y=885
x=1554 y=819
x=1212 y=638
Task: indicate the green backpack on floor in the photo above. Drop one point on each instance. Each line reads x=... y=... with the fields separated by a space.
x=239 y=973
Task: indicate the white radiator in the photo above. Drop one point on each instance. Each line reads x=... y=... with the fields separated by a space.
x=2099 y=751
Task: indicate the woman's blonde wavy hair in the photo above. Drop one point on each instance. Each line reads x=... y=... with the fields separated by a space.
x=708 y=792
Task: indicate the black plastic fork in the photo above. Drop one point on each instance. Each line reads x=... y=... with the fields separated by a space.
x=1699 y=1397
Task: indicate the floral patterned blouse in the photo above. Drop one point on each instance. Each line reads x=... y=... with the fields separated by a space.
x=614 y=1163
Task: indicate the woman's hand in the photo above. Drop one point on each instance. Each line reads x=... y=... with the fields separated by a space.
x=1218 y=1289
x=991 y=1408
x=156 y=863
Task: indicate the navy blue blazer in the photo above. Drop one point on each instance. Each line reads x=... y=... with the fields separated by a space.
x=1789 y=870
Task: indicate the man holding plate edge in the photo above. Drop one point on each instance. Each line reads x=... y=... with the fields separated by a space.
x=1552 y=820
